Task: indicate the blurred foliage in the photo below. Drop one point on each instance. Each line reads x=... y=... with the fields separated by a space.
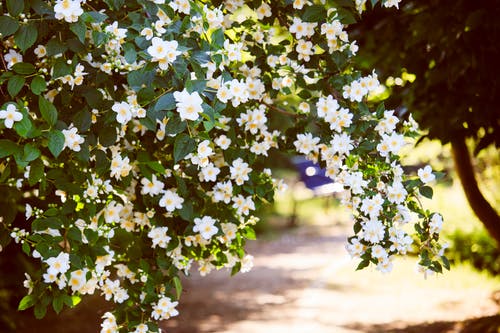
x=475 y=247
x=450 y=58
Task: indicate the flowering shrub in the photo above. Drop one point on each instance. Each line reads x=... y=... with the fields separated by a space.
x=133 y=133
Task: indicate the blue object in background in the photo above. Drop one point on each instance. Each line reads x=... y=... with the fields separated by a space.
x=314 y=178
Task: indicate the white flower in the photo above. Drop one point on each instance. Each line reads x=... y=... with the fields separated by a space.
x=392 y=3
x=396 y=193
x=171 y=201
x=356 y=182
x=379 y=252
x=159 y=237
x=264 y=10
x=120 y=167
x=341 y=143
x=69 y=10
x=164 y=52
x=373 y=231
x=72 y=139
x=239 y=171
x=59 y=264
x=390 y=144
x=229 y=230
x=204 y=149
x=188 y=105
x=141 y=328
x=205 y=226
x=147 y=33
x=355 y=248
x=246 y=263
x=385 y=265
x=164 y=309
x=306 y=143
x=304 y=49
x=357 y=91
x=123 y=112
x=324 y=105
x=223 y=192
x=12 y=58
x=112 y=212
x=372 y=206
x=243 y=205
x=425 y=174
x=151 y=187
x=436 y=223
x=223 y=142
x=28 y=211
x=209 y=173
x=77 y=280
x=11 y=115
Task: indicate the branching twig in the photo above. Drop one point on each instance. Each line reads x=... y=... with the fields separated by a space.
x=277 y=109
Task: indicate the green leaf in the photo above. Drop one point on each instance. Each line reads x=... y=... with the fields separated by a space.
x=140 y=78
x=15 y=7
x=48 y=111
x=98 y=37
x=58 y=303
x=183 y=145
x=165 y=102
x=178 y=286
x=56 y=142
x=175 y=125
x=24 y=68
x=24 y=126
x=26 y=302
x=187 y=212
x=71 y=301
x=8 y=148
x=15 y=85
x=26 y=248
x=314 y=13
x=36 y=172
x=130 y=53
x=8 y=25
x=54 y=47
x=38 y=85
x=26 y=36
x=83 y=120
x=93 y=17
x=107 y=137
x=426 y=191
x=446 y=262
x=250 y=233
x=75 y=300
x=61 y=68
x=40 y=310
x=363 y=264
x=156 y=166
x=79 y=29
x=31 y=152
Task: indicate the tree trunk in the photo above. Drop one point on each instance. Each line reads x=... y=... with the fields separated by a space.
x=481 y=207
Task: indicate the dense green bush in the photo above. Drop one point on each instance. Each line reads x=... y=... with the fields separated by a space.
x=475 y=247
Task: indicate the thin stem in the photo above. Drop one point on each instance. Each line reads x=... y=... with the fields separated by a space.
x=277 y=109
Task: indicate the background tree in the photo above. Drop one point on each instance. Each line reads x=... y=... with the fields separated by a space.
x=452 y=49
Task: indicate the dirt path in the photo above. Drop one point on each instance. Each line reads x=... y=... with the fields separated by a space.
x=304 y=282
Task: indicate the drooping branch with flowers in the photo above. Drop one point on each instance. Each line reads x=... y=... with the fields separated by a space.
x=133 y=134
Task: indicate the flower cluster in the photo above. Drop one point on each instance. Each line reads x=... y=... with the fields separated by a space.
x=138 y=145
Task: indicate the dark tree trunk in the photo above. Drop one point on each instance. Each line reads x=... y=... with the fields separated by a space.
x=481 y=207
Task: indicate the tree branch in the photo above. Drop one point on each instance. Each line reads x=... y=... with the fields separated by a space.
x=277 y=109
